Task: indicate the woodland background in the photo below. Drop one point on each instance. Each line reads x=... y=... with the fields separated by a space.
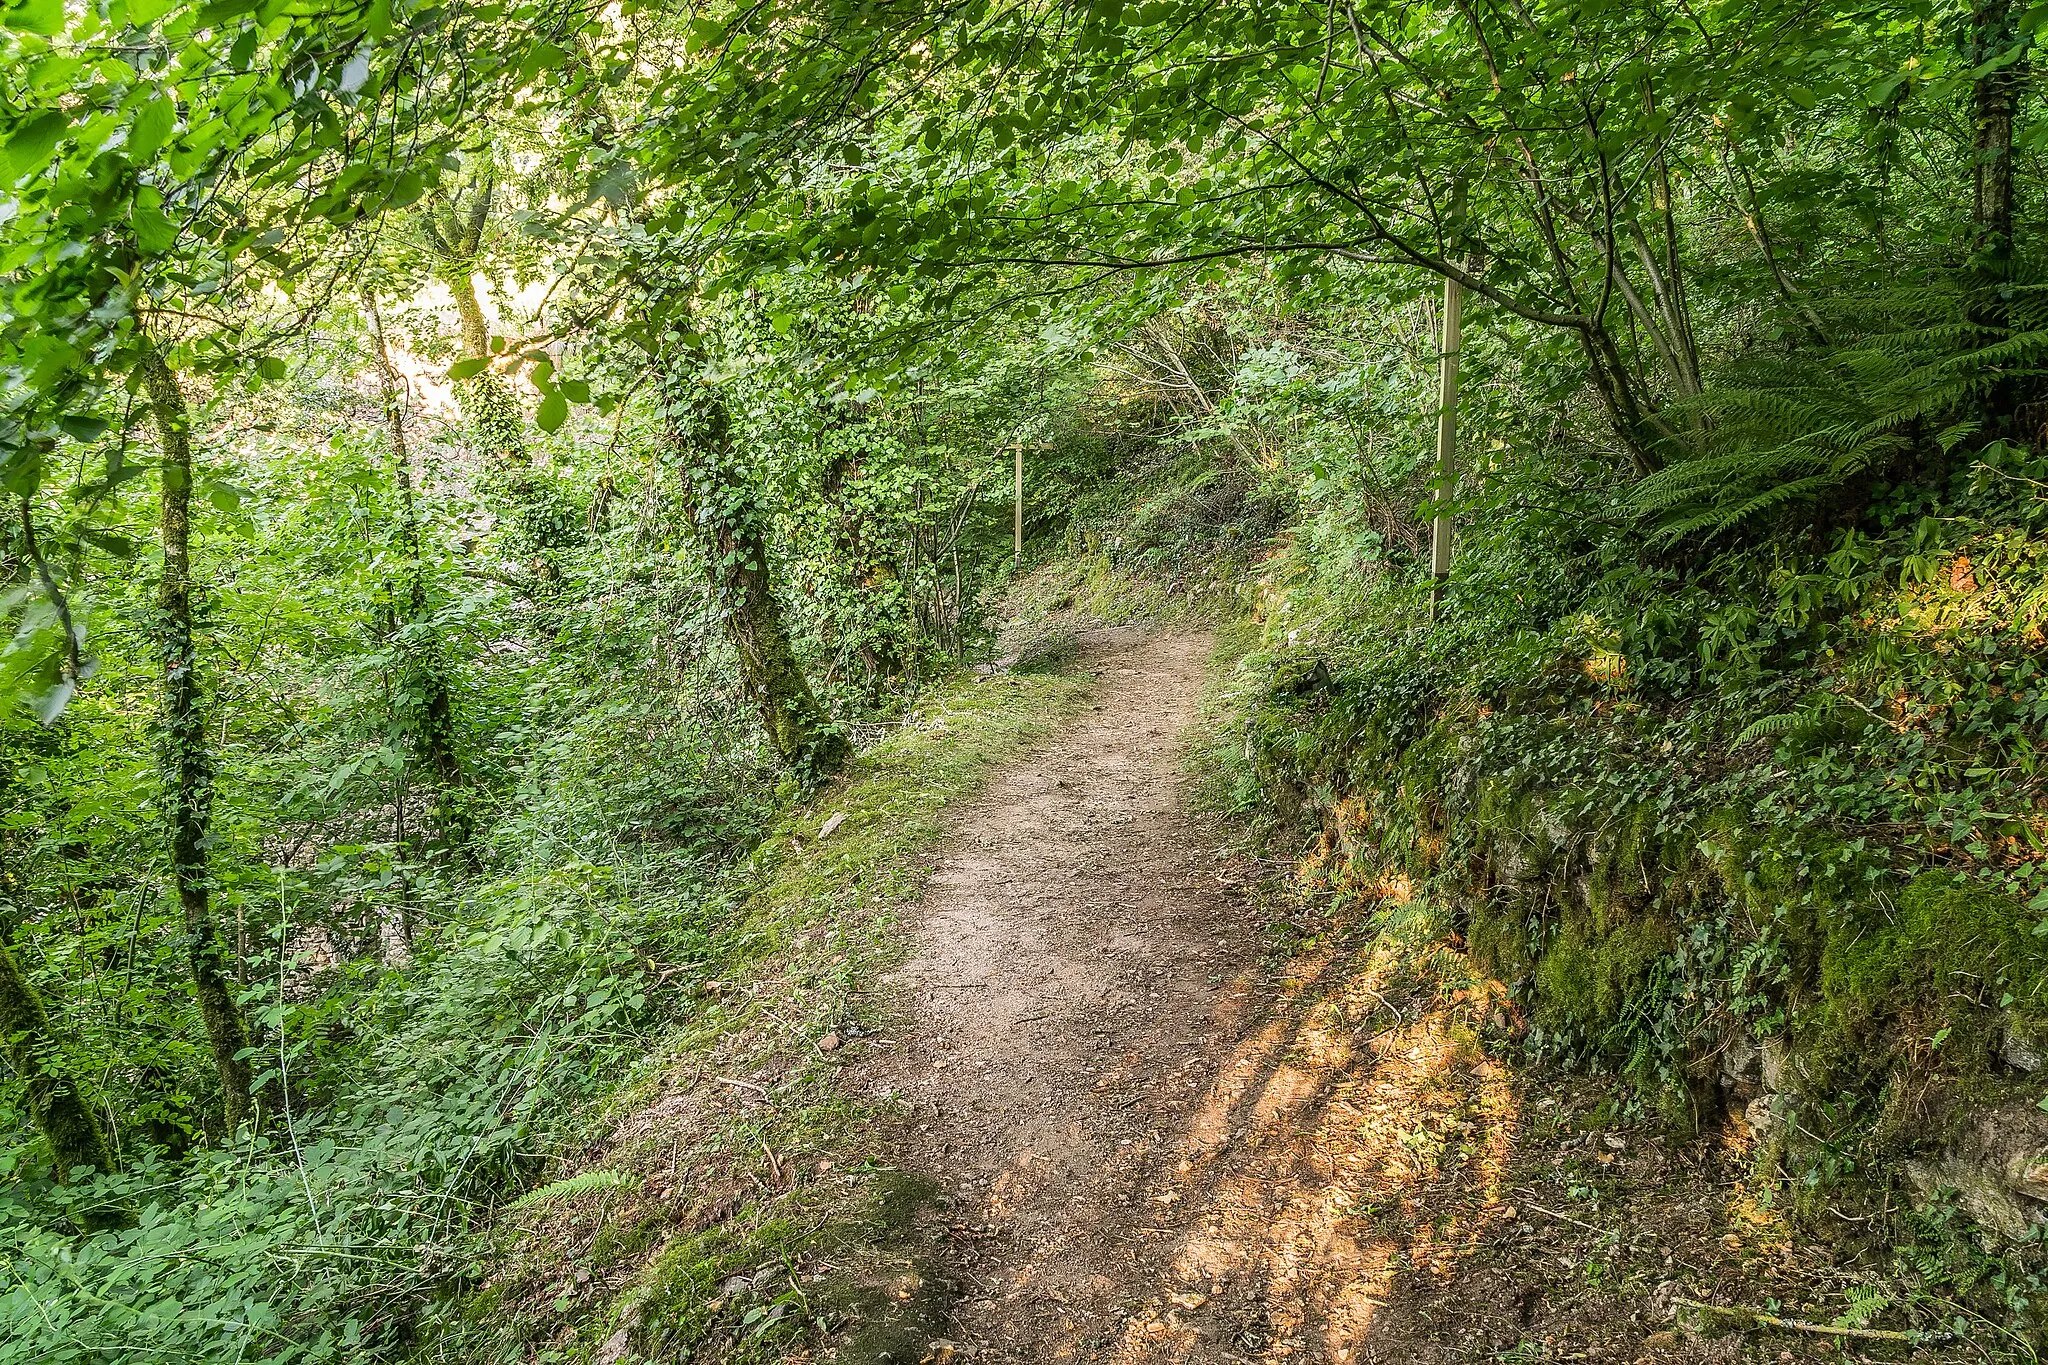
x=474 y=468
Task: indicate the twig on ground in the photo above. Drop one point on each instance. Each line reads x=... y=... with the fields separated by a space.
x=1567 y=1218
x=1825 y=1329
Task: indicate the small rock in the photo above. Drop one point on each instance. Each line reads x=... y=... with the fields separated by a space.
x=837 y=819
x=1741 y=1061
x=829 y=1043
x=2022 y=1049
x=1187 y=1300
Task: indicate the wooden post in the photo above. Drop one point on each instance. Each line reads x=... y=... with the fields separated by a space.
x=1446 y=480
x=1019 y=521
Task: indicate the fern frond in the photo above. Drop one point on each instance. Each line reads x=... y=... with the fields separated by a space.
x=1767 y=725
x=583 y=1182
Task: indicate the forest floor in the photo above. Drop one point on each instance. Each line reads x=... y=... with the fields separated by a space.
x=1173 y=1114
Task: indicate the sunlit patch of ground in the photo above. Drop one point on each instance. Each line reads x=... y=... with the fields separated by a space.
x=1365 y=1179
x=1349 y=1144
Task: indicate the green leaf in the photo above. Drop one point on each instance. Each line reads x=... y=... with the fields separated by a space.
x=153 y=231
x=553 y=411
x=120 y=547
x=271 y=367
x=468 y=369
x=224 y=497
x=36 y=16
x=152 y=125
x=30 y=145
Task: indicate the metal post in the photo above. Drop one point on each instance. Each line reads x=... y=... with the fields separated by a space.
x=1019 y=528
x=1446 y=481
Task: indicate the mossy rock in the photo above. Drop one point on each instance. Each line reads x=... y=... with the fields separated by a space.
x=1589 y=979
x=1942 y=956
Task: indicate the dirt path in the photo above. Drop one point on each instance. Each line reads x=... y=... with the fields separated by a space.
x=1078 y=962
x=1162 y=1141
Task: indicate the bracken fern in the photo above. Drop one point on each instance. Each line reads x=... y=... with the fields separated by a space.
x=1910 y=374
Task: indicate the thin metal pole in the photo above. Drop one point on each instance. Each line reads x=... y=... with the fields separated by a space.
x=1446 y=480
x=1019 y=528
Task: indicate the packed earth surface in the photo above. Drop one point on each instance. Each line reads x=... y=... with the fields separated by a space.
x=1174 y=1113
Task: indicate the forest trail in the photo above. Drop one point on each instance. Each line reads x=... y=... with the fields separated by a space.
x=1162 y=1135
x=1149 y=1145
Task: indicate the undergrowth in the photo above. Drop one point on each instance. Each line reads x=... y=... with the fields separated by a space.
x=505 y=1175
x=1755 y=835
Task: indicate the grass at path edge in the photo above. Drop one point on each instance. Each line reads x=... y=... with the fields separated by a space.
x=730 y=1202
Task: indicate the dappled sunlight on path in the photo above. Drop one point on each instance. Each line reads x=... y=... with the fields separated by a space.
x=1158 y=1137
x=1347 y=1144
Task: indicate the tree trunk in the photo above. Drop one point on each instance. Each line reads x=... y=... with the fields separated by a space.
x=486 y=399
x=735 y=546
x=432 y=726
x=187 y=764
x=57 y=1102
x=1994 y=105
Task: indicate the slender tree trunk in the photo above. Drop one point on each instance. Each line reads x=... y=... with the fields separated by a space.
x=734 y=541
x=58 y=1102
x=187 y=764
x=1994 y=109
x=432 y=728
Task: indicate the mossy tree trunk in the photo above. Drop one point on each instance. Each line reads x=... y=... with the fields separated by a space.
x=58 y=1103
x=733 y=537
x=1994 y=109
x=431 y=726
x=186 y=761
x=456 y=237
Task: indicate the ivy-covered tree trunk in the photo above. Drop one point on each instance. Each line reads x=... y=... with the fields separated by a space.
x=1994 y=109
x=187 y=764
x=457 y=236
x=432 y=724
x=58 y=1102
x=869 y=570
x=734 y=540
